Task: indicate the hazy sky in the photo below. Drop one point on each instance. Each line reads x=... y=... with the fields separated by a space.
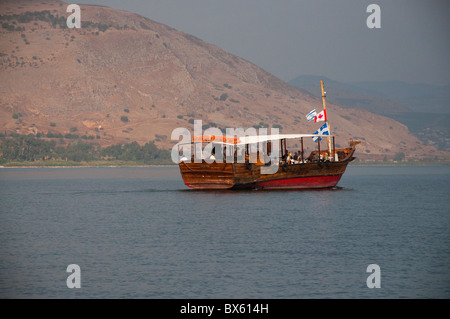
x=320 y=37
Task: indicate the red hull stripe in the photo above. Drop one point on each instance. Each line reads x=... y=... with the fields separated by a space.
x=302 y=182
x=288 y=183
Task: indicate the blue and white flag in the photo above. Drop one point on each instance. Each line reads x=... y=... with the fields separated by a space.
x=323 y=130
x=311 y=115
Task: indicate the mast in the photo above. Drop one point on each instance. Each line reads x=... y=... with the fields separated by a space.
x=328 y=125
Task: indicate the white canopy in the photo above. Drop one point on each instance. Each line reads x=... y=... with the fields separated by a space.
x=242 y=140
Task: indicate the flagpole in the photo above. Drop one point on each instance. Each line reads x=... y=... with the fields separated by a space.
x=328 y=125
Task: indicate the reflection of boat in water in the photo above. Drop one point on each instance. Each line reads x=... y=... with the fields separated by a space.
x=321 y=169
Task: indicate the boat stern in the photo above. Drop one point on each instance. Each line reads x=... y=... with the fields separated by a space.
x=207 y=175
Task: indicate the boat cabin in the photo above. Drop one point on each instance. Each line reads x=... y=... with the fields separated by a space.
x=260 y=150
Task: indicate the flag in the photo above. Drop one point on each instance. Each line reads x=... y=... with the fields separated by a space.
x=311 y=115
x=323 y=130
x=321 y=117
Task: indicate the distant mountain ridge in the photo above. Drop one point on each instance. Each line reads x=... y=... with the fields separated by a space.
x=402 y=96
x=419 y=97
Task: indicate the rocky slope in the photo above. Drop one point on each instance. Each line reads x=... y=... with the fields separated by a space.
x=122 y=77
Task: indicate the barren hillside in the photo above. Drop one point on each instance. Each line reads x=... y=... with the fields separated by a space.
x=122 y=77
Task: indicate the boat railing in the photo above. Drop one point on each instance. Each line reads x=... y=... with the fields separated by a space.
x=261 y=159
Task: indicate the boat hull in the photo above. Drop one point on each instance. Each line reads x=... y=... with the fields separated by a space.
x=248 y=176
x=310 y=175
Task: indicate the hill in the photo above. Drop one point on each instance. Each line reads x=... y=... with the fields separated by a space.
x=122 y=77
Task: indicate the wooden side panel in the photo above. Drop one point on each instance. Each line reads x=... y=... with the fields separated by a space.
x=207 y=176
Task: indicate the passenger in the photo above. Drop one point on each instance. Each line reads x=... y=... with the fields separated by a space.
x=295 y=158
x=183 y=159
x=288 y=158
x=266 y=159
x=300 y=157
x=213 y=153
x=316 y=157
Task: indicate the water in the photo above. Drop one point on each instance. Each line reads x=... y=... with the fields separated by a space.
x=140 y=233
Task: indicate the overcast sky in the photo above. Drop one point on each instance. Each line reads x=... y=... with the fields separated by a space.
x=330 y=38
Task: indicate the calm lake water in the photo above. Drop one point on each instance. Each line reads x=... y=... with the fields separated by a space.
x=140 y=233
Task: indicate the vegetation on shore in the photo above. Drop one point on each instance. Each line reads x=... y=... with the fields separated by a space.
x=29 y=150
x=95 y=163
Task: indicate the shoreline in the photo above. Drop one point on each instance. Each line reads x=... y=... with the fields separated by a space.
x=86 y=166
x=130 y=165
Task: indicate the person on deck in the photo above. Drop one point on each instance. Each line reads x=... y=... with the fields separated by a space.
x=288 y=157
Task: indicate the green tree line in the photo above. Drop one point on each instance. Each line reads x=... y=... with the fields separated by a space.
x=30 y=148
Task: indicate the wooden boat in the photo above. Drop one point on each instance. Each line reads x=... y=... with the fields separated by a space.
x=321 y=169
x=312 y=172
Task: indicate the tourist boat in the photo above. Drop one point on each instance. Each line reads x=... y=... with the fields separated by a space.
x=322 y=168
